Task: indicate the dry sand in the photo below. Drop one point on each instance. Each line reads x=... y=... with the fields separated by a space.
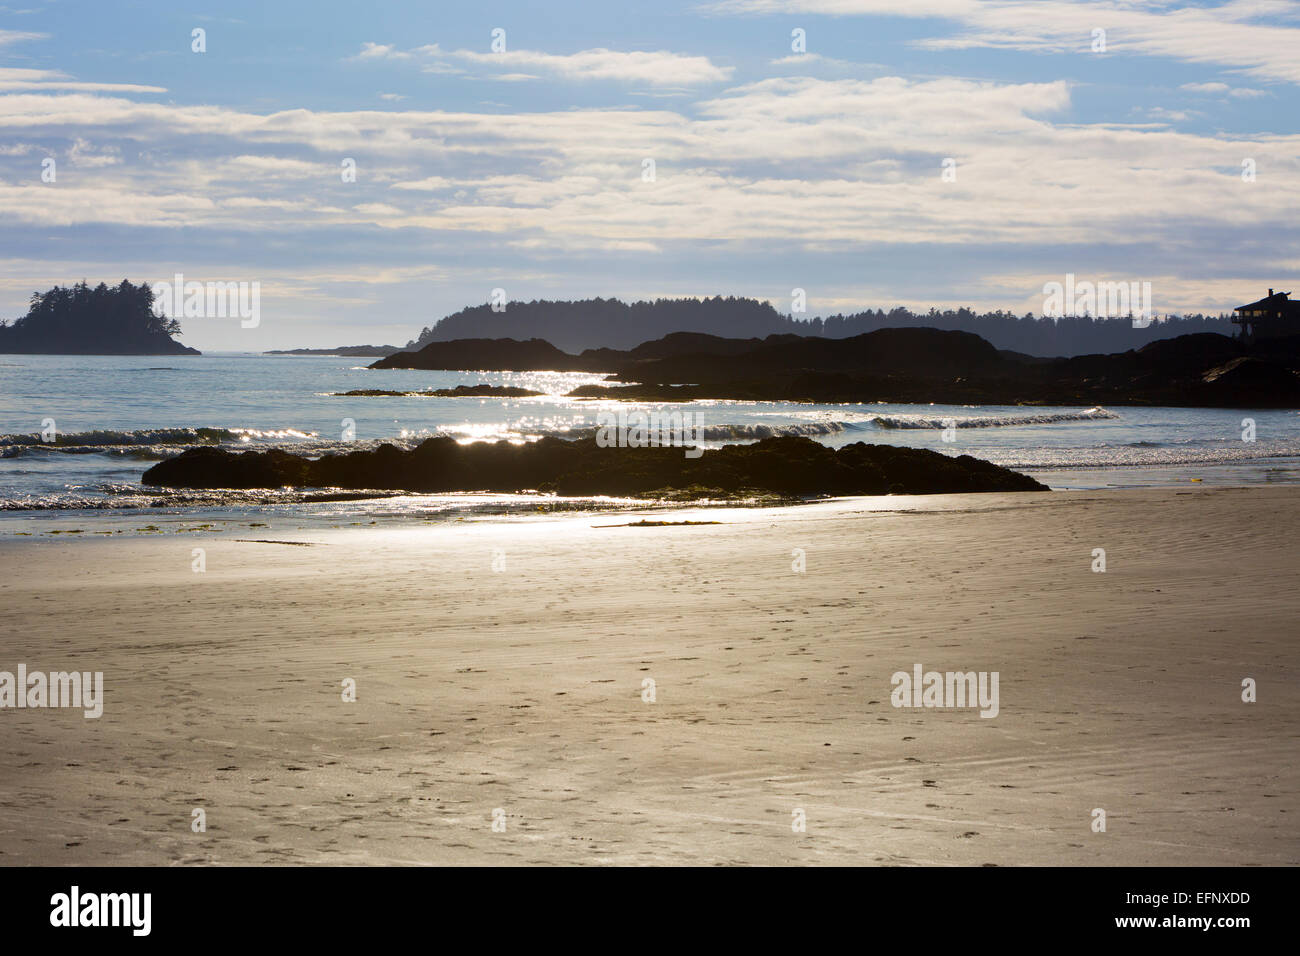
x=522 y=689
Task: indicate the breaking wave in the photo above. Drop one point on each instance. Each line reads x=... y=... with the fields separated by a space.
x=155 y=444
x=159 y=443
x=992 y=421
x=110 y=438
x=132 y=497
x=756 y=431
x=745 y=432
x=1145 y=454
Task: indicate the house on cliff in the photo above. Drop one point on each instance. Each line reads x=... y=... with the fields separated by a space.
x=1273 y=317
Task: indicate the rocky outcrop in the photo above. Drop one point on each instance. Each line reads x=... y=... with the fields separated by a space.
x=497 y=355
x=776 y=466
x=902 y=366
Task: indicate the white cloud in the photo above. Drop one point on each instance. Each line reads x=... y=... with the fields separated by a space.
x=829 y=164
x=816 y=59
x=1232 y=34
x=246 y=165
x=8 y=37
x=86 y=155
x=16 y=78
x=380 y=51
x=1223 y=89
x=430 y=184
x=382 y=210
x=657 y=68
x=1170 y=116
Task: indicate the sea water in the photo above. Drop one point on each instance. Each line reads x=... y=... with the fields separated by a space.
x=112 y=417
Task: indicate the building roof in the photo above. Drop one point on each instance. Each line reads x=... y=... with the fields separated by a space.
x=1273 y=302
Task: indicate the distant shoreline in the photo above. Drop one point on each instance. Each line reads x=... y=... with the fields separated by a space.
x=358 y=351
x=183 y=351
x=898 y=366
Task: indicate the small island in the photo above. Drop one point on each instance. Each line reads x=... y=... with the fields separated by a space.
x=79 y=320
x=347 y=351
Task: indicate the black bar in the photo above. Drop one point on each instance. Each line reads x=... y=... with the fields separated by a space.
x=906 y=907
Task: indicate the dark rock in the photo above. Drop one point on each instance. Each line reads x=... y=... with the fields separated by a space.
x=1251 y=383
x=217 y=468
x=904 y=366
x=498 y=355
x=780 y=466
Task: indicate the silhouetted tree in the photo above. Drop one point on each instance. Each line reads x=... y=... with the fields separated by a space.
x=102 y=320
x=609 y=323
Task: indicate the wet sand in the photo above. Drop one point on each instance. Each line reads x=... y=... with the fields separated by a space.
x=521 y=689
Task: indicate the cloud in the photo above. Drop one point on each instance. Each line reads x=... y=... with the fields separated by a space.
x=1233 y=34
x=658 y=68
x=804 y=159
x=898 y=8
x=1167 y=115
x=8 y=37
x=431 y=184
x=787 y=165
x=816 y=59
x=1223 y=89
x=247 y=165
x=16 y=78
x=379 y=51
x=85 y=154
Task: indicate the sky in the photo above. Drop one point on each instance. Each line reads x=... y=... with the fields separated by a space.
x=872 y=153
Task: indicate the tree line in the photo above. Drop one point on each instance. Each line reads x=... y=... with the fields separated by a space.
x=78 y=318
x=611 y=323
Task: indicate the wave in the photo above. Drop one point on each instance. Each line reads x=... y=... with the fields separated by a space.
x=1129 y=456
x=158 y=443
x=146 y=443
x=756 y=431
x=134 y=497
x=722 y=432
x=760 y=431
x=991 y=421
x=109 y=437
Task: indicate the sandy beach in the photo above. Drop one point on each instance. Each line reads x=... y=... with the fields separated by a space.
x=521 y=689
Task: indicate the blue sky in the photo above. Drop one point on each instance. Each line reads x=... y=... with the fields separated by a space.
x=522 y=169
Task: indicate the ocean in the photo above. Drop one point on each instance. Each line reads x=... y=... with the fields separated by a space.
x=114 y=416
